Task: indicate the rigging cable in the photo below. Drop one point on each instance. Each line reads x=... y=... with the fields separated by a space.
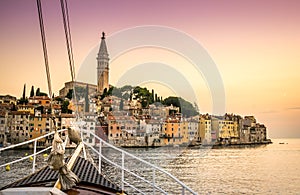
x=41 y=22
x=66 y=23
x=44 y=46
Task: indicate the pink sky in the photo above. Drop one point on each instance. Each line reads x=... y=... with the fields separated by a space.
x=255 y=45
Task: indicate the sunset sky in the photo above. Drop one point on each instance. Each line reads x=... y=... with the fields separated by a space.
x=254 y=44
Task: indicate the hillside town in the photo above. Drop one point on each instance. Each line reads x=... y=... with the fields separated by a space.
x=126 y=117
x=131 y=126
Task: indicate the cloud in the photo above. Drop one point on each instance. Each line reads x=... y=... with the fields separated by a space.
x=294 y=108
x=269 y=112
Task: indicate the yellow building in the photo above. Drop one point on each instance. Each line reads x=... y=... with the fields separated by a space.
x=37 y=127
x=184 y=128
x=176 y=132
x=39 y=100
x=205 y=128
x=26 y=108
x=226 y=130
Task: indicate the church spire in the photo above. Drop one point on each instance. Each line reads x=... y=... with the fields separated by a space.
x=103 y=48
x=102 y=66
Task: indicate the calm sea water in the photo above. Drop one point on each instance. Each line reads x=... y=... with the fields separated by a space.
x=271 y=169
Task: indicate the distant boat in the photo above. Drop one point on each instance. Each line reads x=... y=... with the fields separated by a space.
x=281 y=142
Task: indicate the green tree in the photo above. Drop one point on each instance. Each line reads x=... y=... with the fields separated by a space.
x=32 y=91
x=121 y=104
x=24 y=92
x=104 y=94
x=37 y=93
x=64 y=107
x=152 y=96
x=23 y=99
x=43 y=94
x=69 y=94
x=86 y=98
x=185 y=107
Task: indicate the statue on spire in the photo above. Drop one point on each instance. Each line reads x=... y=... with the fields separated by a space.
x=103 y=35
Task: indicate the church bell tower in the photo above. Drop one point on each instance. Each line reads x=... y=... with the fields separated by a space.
x=102 y=67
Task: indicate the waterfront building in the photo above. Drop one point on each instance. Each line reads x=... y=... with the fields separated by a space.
x=249 y=121
x=173 y=131
x=153 y=126
x=205 y=128
x=257 y=133
x=235 y=120
x=245 y=134
x=183 y=131
x=121 y=127
x=154 y=131
x=3 y=128
x=214 y=129
x=193 y=129
x=102 y=67
x=19 y=127
x=101 y=130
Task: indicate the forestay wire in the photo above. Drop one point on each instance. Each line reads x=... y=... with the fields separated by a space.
x=44 y=47
x=65 y=14
x=66 y=23
x=46 y=60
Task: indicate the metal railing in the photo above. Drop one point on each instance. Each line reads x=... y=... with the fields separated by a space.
x=35 y=153
x=124 y=170
x=154 y=171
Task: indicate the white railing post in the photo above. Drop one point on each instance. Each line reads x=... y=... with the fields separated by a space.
x=183 y=190
x=100 y=154
x=153 y=180
x=123 y=168
x=34 y=156
x=83 y=149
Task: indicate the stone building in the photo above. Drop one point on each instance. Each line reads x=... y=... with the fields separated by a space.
x=71 y=84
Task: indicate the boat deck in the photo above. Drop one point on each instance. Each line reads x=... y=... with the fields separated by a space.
x=91 y=181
